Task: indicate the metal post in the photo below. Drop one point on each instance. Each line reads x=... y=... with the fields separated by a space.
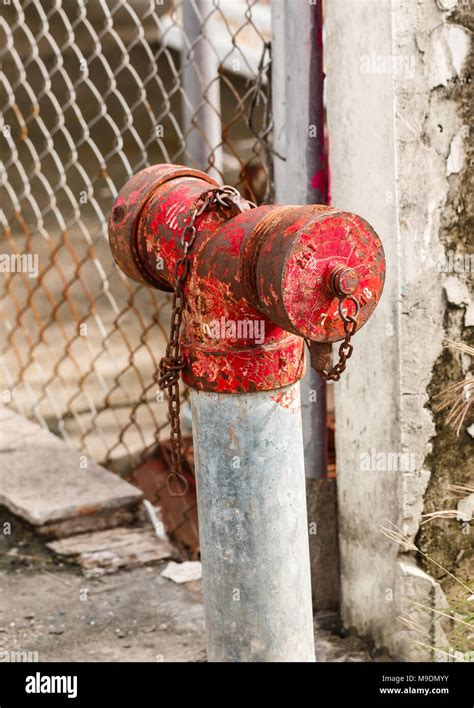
x=201 y=100
x=297 y=91
x=253 y=525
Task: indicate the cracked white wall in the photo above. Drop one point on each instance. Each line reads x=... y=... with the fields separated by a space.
x=393 y=144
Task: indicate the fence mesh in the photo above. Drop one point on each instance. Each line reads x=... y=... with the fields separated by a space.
x=92 y=92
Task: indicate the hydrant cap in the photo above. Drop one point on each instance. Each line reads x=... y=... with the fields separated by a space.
x=315 y=258
x=125 y=215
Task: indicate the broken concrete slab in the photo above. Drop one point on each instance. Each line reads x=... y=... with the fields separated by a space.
x=54 y=487
x=103 y=519
x=19 y=432
x=107 y=551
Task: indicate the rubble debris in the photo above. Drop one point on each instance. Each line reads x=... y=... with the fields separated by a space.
x=183 y=572
x=179 y=514
x=456 y=291
x=103 y=552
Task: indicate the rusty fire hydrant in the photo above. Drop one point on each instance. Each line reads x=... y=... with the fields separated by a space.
x=283 y=268
x=259 y=282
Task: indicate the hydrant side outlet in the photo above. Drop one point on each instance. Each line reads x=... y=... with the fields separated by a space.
x=259 y=280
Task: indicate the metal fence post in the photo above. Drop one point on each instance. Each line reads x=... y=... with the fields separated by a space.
x=297 y=93
x=253 y=526
x=201 y=95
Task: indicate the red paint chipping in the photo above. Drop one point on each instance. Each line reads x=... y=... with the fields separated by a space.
x=286 y=399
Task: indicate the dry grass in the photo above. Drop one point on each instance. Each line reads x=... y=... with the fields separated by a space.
x=458 y=397
x=459 y=492
x=461 y=610
x=397 y=535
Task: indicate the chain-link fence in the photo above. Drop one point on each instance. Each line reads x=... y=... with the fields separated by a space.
x=91 y=93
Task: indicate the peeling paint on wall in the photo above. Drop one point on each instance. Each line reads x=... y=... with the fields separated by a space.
x=449 y=541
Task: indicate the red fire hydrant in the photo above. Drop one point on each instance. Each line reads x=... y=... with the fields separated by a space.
x=257 y=283
x=284 y=272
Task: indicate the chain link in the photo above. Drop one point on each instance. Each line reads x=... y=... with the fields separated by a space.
x=173 y=362
x=345 y=348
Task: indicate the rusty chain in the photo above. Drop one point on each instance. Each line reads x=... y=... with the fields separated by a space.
x=345 y=348
x=173 y=362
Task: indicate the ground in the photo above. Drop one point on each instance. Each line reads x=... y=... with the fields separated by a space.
x=133 y=615
x=130 y=616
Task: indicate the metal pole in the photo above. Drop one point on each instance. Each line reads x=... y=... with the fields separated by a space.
x=201 y=100
x=279 y=70
x=297 y=91
x=253 y=525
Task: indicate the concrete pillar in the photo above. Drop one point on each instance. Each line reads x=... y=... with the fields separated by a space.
x=394 y=149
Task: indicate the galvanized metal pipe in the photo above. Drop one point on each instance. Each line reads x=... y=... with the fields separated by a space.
x=201 y=95
x=253 y=525
x=297 y=80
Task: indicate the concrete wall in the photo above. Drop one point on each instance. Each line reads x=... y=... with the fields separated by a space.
x=393 y=164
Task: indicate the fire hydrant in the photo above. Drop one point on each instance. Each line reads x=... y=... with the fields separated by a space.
x=259 y=282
